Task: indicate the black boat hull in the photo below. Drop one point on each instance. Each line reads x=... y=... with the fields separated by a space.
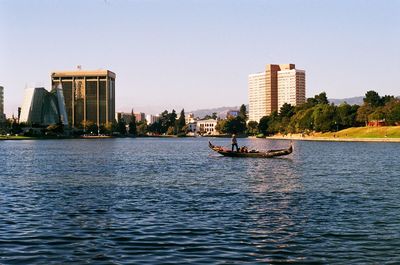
x=268 y=154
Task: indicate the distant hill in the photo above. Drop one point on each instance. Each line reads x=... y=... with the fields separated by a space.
x=351 y=101
x=221 y=111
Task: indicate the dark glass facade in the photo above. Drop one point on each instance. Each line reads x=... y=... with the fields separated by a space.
x=89 y=96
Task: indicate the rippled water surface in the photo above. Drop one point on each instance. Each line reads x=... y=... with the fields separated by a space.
x=173 y=201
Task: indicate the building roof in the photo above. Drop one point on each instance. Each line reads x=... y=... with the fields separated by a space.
x=209 y=120
x=83 y=73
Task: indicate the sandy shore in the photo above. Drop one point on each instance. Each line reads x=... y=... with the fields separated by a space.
x=332 y=139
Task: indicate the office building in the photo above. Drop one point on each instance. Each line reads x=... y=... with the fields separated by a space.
x=140 y=116
x=152 y=119
x=41 y=107
x=264 y=92
x=124 y=117
x=89 y=96
x=2 y=116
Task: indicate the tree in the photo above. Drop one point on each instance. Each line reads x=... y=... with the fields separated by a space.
x=252 y=128
x=243 y=112
x=155 y=128
x=302 y=121
x=373 y=99
x=321 y=98
x=346 y=115
x=141 y=128
x=231 y=125
x=89 y=126
x=132 y=125
x=55 y=129
x=86 y=125
x=235 y=125
x=274 y=124
x=286 y=110
x=386 y=99
x=221 y=126
x=170 y=131
x=181 y=121
x=363 y=112
x=378 y=114
x=392 y=111
x=263 y=125
x=214 y=116
x=16 y=127
x=166 y=121
x=172 y=118
x=311 y=102
x=270 y=124
x=324 y=117
x=106 y=128
x=121 y=127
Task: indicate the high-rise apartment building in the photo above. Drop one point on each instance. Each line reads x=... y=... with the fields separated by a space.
x=89 y=96
x=291 y=87
x=264 y=90
x=257 y=96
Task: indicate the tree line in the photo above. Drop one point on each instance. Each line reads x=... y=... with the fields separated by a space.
x=315 y=115
x=318 y=115
x=167 y=124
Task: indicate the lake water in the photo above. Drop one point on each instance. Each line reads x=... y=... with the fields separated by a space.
x=174 y=201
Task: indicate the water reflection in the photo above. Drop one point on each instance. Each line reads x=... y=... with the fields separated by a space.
x=274 y=204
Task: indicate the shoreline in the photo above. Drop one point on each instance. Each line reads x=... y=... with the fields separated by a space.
x=333 y=139
x=295 y=137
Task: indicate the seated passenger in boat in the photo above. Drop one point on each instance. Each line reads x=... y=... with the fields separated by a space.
x=243 y=149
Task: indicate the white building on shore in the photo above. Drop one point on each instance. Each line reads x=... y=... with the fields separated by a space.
x=206 y=127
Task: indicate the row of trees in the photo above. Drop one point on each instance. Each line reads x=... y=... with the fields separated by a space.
x=316 y=114
x=166 y=124
x=386 y=108
x=169 y=124
x=320 y=116
x=234 y=124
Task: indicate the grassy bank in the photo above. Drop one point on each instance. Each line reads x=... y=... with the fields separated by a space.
x=365 y=132
x=13 y=137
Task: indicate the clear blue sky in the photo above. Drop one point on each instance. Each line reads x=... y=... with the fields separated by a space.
x=198 y=53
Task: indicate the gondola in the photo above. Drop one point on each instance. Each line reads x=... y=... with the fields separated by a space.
x=252 y=153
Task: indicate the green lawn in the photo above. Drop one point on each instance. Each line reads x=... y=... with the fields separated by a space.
x=13 y=137
x=365 y=132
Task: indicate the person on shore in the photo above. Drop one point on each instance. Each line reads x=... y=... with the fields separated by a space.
x=234 y=143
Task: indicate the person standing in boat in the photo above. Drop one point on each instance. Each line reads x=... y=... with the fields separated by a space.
x=234 y=143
